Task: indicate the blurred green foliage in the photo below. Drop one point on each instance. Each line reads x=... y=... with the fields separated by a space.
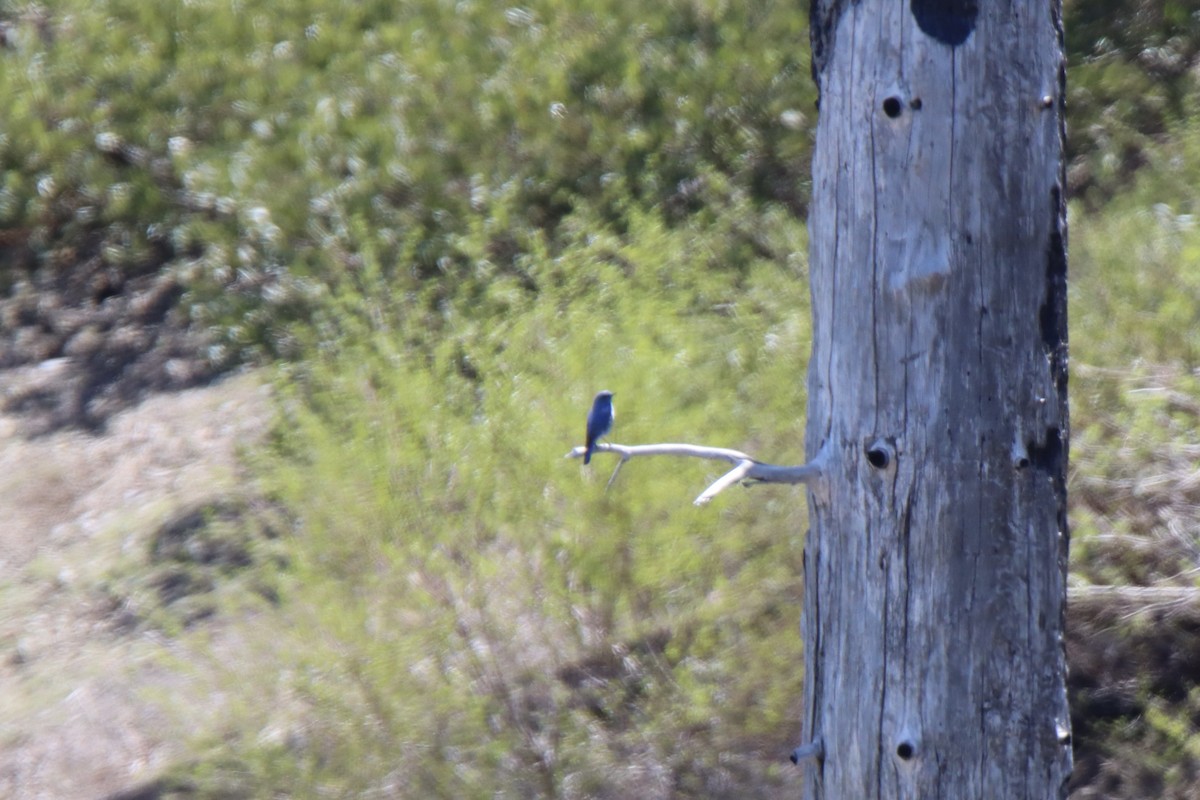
x=459 y=220
x=1132 y=75
x=1135 y=396
x=1135 y=312
x=483 y=617
x=260 y=148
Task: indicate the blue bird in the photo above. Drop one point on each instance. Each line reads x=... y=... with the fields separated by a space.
x=599 y=421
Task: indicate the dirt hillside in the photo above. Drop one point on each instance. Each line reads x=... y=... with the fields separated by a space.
x=81 y=681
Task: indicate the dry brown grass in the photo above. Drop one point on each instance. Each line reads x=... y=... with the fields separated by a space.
x=78 y=710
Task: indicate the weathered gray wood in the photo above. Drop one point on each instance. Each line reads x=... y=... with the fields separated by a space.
x=936 y=560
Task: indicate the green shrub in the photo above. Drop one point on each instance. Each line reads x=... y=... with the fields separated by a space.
x=479 y=615
x=261 y=149
x=1131 y=76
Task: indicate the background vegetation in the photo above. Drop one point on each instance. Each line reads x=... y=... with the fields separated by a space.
x=446 y=225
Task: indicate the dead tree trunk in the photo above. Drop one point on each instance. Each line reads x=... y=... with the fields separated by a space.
x=935 y=566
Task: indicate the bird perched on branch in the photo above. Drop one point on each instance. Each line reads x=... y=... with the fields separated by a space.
x=599 y=421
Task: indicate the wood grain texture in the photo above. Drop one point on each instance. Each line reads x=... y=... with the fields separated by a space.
x=935 y=565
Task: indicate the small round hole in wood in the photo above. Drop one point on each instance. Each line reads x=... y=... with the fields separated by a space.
x=906 y=750
x=879 y=454
x=892 y=107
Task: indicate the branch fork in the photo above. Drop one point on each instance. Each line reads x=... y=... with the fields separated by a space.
x=746 y=469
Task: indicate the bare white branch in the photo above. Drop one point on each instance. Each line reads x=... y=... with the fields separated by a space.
x=745 y=469
x=668 y=449
x=735 y=475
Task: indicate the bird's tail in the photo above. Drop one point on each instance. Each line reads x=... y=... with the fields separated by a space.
x=587 y=455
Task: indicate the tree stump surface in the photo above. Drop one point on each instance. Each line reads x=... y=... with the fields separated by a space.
x=935 y=565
